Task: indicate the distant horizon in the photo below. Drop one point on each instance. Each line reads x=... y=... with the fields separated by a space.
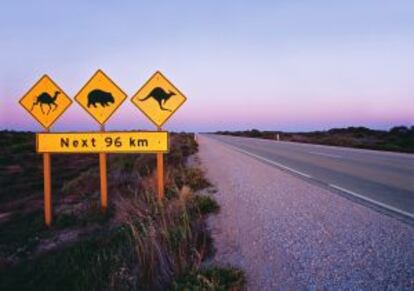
x=220 y=130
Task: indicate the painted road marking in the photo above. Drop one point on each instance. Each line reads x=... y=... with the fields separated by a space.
x=326 y=155
x=269 y=161
x=386 y=206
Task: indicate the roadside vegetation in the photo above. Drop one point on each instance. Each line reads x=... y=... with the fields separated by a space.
x=398 y=139
x=138 y=244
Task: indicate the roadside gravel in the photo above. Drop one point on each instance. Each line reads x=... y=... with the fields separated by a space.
x=289 y=234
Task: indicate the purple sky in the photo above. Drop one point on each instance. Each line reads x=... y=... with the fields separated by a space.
x=282 y=65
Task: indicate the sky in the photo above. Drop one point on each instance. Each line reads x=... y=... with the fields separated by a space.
x=292 y=65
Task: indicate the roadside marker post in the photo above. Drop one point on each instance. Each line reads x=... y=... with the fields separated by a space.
x=158 y=99
x=46 y=102
x=101 y=97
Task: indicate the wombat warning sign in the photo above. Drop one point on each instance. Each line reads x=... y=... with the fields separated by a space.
x=100 y=97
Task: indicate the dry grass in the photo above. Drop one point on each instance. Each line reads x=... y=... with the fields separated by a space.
x=138 y=244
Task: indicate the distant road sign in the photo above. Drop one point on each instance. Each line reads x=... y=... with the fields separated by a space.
x=45 y=101
x=158 y=99
x=100 y=97
x=103 y=142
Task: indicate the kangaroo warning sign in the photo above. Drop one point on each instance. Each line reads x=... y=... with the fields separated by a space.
x=45 y=101
x=158 y=99
x=100 y=97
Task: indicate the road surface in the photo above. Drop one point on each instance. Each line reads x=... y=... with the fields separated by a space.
x=381 y=178
x=288 y=233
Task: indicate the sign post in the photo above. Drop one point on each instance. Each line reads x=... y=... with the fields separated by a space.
x=101 y=97
x=47 y=185
x=46 y=102
x=160 y=174
x=158 y=99
x=102 y=174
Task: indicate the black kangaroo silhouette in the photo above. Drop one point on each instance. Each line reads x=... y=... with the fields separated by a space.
x=45 y=98
x=160 y=96
x=100 y=97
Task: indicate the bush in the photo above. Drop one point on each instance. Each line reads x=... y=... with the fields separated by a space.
x=194 y=177
x=214 y=278
x=206 y=204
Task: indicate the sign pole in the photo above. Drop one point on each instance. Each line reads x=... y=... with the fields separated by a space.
x=102 y=172
x=160 y=174
x=47 y=188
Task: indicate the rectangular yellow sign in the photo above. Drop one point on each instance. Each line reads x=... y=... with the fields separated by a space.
x=103 y=142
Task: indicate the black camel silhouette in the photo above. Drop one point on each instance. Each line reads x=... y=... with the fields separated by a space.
x=160 y=96
x=45 y=98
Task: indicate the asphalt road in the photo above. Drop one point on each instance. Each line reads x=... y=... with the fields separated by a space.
x=380 y=178
x=288 y=233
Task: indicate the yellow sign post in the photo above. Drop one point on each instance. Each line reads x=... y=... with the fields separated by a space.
x=159 y=99
x=101 y=97
x=46 y=102
x=102 y=175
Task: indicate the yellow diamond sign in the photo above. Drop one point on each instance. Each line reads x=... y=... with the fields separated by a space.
x=100 y=97
x=158 y=99
x=45 y=101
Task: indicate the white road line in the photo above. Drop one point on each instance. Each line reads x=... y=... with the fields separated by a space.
x=268 y=161
x=386 y=206
x=326 y=155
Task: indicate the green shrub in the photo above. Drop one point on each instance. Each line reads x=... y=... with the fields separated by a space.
x=213 y=278
x=206 y=204
x=194 y=177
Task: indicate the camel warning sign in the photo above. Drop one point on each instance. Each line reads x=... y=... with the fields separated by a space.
x=45 y=101
x=100 y=97
x=158 y=99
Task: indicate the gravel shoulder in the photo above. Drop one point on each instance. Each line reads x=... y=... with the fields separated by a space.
x=289 y=234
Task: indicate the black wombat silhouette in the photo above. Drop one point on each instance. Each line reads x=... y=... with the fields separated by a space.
x=160 y=96
x=45 y=98
x=101 y=97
